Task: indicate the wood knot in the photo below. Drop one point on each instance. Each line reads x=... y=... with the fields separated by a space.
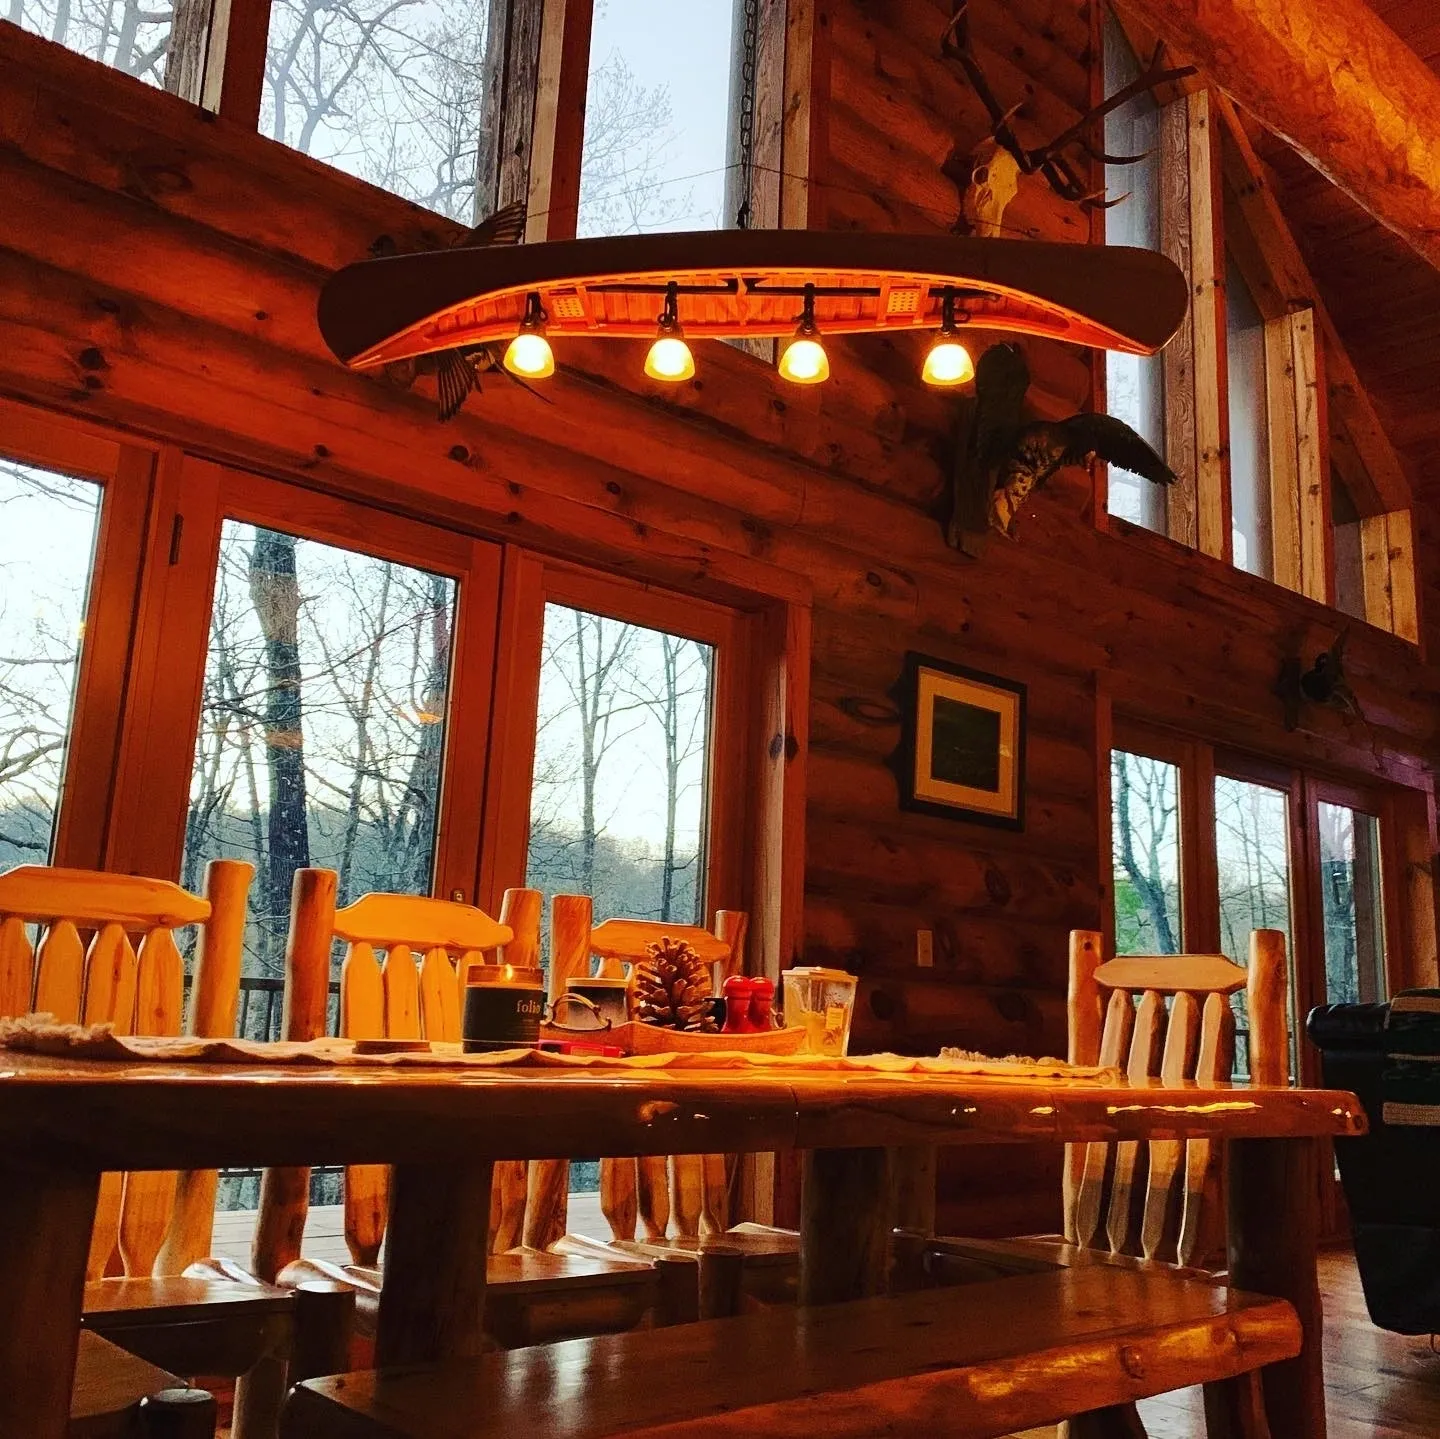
x=91 y=358
x=777 y=745
x=460 y=454
x=997 y=886
x=1132 y=1362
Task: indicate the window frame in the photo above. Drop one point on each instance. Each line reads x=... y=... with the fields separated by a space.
x=531 y=583
x=124 y=473
x=163 y=706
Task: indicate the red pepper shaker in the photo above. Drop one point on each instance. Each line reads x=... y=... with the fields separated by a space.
x=762 y=1002
x=738 y=992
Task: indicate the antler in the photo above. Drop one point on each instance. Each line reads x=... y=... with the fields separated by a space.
x=1048 y=159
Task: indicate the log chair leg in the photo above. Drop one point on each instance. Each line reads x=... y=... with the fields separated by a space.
x=844 y=1225
x=432 y=1300
x=1274 y=1214
x=45 y=1222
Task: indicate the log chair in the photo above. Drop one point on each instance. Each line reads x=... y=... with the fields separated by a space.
x=118 y=1395
x=532 y=1296
x=1164 y=1205
x=680 y=1204
x=149 y=1226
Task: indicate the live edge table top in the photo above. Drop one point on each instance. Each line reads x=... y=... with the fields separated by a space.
x=102 y=1115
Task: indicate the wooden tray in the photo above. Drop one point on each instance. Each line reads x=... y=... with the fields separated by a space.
x=637 y=1038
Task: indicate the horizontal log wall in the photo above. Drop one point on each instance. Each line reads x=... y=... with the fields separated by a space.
x=159 y=271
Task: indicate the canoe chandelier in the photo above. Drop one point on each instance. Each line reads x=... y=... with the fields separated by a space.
x=467 y=305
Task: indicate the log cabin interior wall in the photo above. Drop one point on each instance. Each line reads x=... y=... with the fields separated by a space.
x=159 y=267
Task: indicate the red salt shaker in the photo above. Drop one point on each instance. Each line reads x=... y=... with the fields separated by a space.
x=739 y=992
x=762 y=1002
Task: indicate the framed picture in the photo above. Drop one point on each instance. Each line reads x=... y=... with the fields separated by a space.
x=962 y=743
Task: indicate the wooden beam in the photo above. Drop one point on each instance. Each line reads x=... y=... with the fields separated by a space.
x=1336 y=82
x=1349 y=404
x=1207 y=289
x=558 y=135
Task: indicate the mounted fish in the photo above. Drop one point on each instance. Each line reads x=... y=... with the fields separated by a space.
x=1001 y=458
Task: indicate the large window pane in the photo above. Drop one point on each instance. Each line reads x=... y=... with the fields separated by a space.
x=388 y=90
x=657 y=117
x=1145 y=830
x=621 y=767
x=1350 y=899
x=322 y=728
x=1134 y=384
x=1252 y=853
x=131 y=35
x=47 y=542
x=1249 y=429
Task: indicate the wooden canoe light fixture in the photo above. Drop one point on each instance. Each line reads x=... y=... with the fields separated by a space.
x=463 y=304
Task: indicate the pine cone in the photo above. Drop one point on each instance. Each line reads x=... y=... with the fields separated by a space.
x=672 y=987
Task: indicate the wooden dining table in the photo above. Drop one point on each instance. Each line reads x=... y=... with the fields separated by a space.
x=63 y=1122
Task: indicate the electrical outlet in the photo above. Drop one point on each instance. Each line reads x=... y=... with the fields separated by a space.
x=924 y=949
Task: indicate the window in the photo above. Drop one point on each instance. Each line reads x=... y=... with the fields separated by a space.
x=1249 y=428
x=129 y=35
x=392 y=93
x=1210 y=844
x=619 y=792
x=1350 y=892
x=323 y=723
x=1134 y=384
x=1145 y=827
x=657 y=117
x=48 y=524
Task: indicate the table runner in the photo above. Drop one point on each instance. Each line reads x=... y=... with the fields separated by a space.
x=39 y=1034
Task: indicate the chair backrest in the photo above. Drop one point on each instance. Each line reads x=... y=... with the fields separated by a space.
x=384 y=994
x=47 y=966
x=1165 y=1017
x=687 y=1193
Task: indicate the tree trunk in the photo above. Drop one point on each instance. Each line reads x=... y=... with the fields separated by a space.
x=275 y=593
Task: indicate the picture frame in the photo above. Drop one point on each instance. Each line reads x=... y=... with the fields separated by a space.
x=962 y=743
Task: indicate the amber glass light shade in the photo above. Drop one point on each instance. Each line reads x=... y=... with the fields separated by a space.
x=803 y=361
x=670 y=359
x=529 y=355
x=948 y=362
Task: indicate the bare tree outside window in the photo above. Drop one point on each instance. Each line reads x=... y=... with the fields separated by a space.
x=1145 y=830
x=130 y=35
x=322 y=725
x=1252 y=853
x=657 y=117
x=47 y=542
x=1351 y=901
x=618 y=801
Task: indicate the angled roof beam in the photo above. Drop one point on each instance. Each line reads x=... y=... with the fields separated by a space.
x=1336 y=82
x=1350 y=407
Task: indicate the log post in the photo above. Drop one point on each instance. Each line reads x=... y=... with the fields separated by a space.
x=844 y=1225
x=1274 y=1212
x=45 y=1222
x=432 y=1300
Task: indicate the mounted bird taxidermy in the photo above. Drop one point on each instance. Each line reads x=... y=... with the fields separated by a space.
x=1001 y=458
x=989 y=175
x=1324 y=683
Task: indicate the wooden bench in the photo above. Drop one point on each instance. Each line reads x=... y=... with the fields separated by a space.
x=971 y=1363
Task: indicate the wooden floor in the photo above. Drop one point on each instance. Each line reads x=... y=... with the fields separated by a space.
x=1377 y=1384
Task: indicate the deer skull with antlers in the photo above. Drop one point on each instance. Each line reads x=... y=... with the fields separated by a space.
x=989 y=178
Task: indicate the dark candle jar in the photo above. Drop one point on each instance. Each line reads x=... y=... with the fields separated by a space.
x=503 y=1008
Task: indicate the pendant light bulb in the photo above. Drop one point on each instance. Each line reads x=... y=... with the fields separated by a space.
x=670 y=358
x=948 y=362
x=529 y=354
x=803 y=361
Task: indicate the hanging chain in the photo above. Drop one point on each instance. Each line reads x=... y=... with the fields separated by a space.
x=749 y=42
